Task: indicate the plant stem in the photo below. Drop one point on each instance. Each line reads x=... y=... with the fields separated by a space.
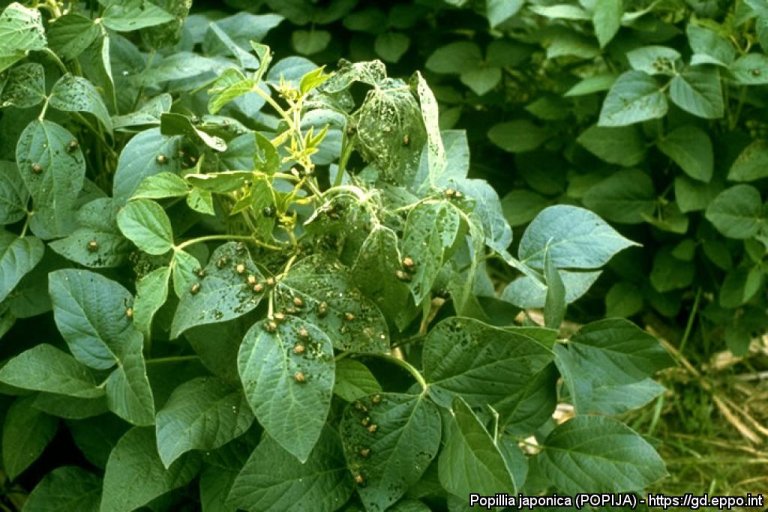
x=51 y=55
x=691 y=318
x=402 y=363
x=209 y=238
x=172 y=359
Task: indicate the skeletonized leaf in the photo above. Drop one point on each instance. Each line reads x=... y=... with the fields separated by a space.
x=289 y=389
x=76 y=94
x=224 y=292
x=54 y=173
x=331 y=301
x=389 y=440
x=21 y=30
x=430 y=230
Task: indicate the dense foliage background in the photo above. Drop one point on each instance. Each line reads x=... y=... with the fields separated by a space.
x=234 y=279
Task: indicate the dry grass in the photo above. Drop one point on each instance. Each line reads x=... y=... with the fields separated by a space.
x=711 y=426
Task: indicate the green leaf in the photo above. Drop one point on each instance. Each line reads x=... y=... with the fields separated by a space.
x=130 y=15
x=606 y=18
x=201 y=201
x=70 y=407
x=455 y=58
x=54 y=175
x=376 y=271
x=430 y=230
x=89 y=310
x=13 y=194
x=471 y=461
x=694 y=195
x=230 y=85
x=148 y=114
x=391 y=46
x=690 y=148
x=752 y=162
x=289 y=390
x=627 y=358
x=129 y=394
x=751 y=69
x=389 y=440
x=623 y=300
x=202 y=414
x=595 y=452
x=18 y=256
x=482 y=79
x=739 y=286
x=178 y=124
x=146 y=224
x=498 y=11
x=521 y=206
x=151 y=294
x=76 y=94
x=71 y=34
x=353 y=380
x=330 y=301
x=224 y=292
x=93 y=248
x=591 y=85
x=536 y=404
x=161 y=186
x=529 y=292
x=485 y=365
x=21 y=30
x=309 y=42
x=709 y=47
x=575 y=237
x=654 y=60
x=24 y=86
x=737 y=212
x=66 y=489
x=26 y=433
x=518 y=136
x=141 y=157
x=273 y=480
x=633 y=98
x=625 y=196
x=218 y=42
x=555 y=302
x=622 y=145
x=135 y=475
x=186 y=274
x=561 y=12
x=697 y=90
x=670 y=273
x=46 y=368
